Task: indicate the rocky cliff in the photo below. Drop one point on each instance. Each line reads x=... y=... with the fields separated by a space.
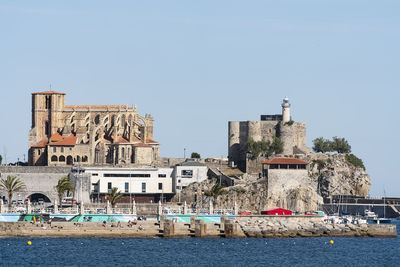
x=328 y=174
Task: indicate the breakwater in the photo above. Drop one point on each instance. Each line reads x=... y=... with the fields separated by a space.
x=240 y=227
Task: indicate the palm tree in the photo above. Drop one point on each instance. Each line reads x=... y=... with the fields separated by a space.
x=114 y=196
x=63 y=185
x=11 y=184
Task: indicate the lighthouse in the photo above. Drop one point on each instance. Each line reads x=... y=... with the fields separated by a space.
x=285 y=110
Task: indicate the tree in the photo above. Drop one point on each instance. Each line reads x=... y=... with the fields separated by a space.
x=64 y=185
x=265 y=147
x=276 y=145
x=1 y=159
x=114 y=196
x=195 y=155
x=340 y=145
x=12 y=184
x=216 y=190
x=322 y=145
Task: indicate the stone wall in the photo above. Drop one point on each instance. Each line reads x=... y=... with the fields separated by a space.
x=37 y=180
x=292 y=189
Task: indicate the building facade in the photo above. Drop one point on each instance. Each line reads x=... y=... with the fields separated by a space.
x=141 y=184
x=88 y=134
x=92 y=184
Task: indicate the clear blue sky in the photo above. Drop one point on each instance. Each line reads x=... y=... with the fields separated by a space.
x=195 y=65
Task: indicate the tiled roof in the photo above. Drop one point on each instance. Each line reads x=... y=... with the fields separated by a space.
x=56 y=137
x=66 y=141
x=42 y=143
x=48 y=93
x=150 y=141
x=135 y=139
x=141 y=145
x=285 y=161
x=120 y=139
x=97 y=106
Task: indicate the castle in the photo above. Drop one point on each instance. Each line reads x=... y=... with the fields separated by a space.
x=292 y=134
x=88 y=134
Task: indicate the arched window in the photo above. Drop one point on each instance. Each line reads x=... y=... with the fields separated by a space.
x=54 y=158
x=123 y=120
x=130 y=120
x=112 y=120
x=97 y=120
x=84 y=159
x=69 y=160
x=61 y=159
x=123 y=152
x=78 y=158
x=47 y=128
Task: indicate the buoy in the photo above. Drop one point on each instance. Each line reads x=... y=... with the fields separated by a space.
x=29 y=243
x=331 y=242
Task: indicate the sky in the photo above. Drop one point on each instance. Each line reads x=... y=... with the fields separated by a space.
x=195 y=65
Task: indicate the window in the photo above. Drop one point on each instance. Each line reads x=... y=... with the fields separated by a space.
x=109 y=186
x=126 y=187
x=70 y=149
x=179 y=181
x=46 y=130
x=178 y=187
x=62 y=158
x=38 y=152
x=187 y=173
x=141 y=175
x=159 y=186
x=161 y=175
x=54 y=158
x=95 y=174
x=54 y=149
x=143 y=187
x=123 y=152
x=62 y=149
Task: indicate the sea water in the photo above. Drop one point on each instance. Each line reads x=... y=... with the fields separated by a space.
x=200 y=252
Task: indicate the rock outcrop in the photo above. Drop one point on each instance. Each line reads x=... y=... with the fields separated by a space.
x=336 y=176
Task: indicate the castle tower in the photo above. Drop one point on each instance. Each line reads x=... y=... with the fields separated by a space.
x=234 y=141
x=286 y=110
x=47 y=108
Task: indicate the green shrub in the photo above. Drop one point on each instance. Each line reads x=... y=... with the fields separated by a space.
x=356 y=162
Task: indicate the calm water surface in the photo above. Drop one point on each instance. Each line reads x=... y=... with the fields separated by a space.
x=200 y=252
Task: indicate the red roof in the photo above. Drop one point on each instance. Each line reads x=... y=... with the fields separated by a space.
x=151 y=141
x=285 y=161
x=120 y=139
x=66 y=141
x=56 y=137
x=135 y=139
x=141 y=145
x=42 y=143
x=48 y=93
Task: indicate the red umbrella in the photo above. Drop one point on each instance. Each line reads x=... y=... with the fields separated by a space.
x=245 y=213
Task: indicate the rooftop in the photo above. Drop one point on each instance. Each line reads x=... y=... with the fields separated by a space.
x=48 y=93
x=285 y=161
x=191 y=162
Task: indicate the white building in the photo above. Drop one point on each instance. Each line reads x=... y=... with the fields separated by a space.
x=189 y=172
x=147 y=184
x=142 y=184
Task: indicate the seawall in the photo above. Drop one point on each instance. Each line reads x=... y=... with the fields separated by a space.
x=267 y=227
